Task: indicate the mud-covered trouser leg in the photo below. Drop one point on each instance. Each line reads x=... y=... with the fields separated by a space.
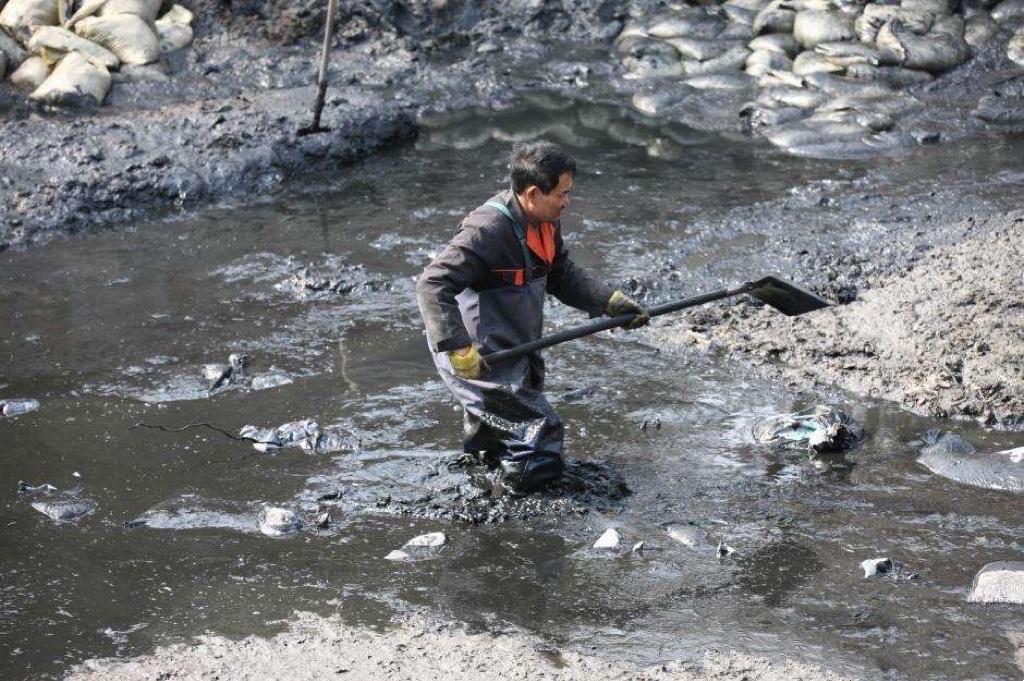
x=513 y=421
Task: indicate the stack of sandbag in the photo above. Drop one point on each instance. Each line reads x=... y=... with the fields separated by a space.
x=64 y=51
x=827 y=70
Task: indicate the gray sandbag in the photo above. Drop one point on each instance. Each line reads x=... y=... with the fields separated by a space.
x=779 y=77
x=838 y=85
x=720 y=81
x=936 y=7
x=21 y=14
x=777 y=17
x=847 y=52
x=3 y=65
x=174 y=29
x=757 y=116
x=702 y=50
x=75 y=81
x=776 y=42
x=875 y=121
x=813 y=27
x=811 y=62
x=12 y=51
x=895 y=104
x=31 y=74
x=54 y=39
x=753 y=5
x=808 y=134
x=696 y=24
x=743 y=32
x=739 y=15
x=761 y=61
x=797 y=97
x=979 y=28
x=732 y=60
x=895 y=75
x=1015 y=48
x=936 y=52
x=875 y=16
x=126 y=35
x=1009 y=12
x=145 y=9
x=147 y=73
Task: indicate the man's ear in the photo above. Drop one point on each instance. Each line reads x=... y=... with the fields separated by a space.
x=531 y=193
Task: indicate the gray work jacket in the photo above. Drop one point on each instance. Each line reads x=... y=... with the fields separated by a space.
x=486 y=254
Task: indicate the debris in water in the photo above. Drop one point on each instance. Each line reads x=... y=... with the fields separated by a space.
x=423 y=547
x=724 y=550
x=55 y=504
x=638 y=547
x=609 y=540
x=821 y=429
x=277 y=522
x=17 y=407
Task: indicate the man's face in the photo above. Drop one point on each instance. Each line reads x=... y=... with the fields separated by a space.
x=549 y=207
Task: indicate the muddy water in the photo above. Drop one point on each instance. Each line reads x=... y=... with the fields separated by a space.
x=112 y=329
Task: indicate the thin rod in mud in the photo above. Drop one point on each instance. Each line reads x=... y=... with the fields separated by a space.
x=787 y=298
x=321 y=81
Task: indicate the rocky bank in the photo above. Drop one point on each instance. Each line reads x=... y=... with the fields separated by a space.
x=944 y=336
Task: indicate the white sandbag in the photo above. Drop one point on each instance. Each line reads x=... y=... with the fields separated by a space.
x=810 y=62
x=936 y=52
x=12 y=51
x=173 y=36
x=177 y=15
x=1015 y=48
x=875 y=16
x=813 y=27
x=18 y=14
x=126 y=35
x=31 y=74
x=776 y=42
x=145 y=9
x=62 y=41
x=74 y=81
x=702 y=50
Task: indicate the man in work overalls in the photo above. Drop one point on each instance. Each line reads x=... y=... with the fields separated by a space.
x=485 y=292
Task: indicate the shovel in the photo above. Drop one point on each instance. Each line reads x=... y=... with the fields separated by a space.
x=787 y=298
x=321 y=81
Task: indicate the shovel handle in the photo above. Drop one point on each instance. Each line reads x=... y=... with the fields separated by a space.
x=613 y=322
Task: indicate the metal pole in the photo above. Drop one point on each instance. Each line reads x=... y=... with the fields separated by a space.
x=321 y=91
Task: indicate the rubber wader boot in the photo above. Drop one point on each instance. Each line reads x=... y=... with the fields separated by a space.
x=532 y=472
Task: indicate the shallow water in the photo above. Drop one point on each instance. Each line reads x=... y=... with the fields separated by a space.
x=111 y=329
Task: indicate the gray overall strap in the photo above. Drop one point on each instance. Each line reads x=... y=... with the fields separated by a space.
x=520 y=234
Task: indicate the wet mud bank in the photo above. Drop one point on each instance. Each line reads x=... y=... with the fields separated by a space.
x=323 y=648
x=940 y=333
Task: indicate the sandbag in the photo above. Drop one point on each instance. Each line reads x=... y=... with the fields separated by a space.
x=1015 y=48
x=697 y=25
x=895 y=75
x=732 y=60
x=702 y=50
x=31 y=74
x=777 y=17
x=846 y=53
x=177 y=15
x=1009 y=12
x=3 y=65
x=979 y=29
x=798 y=97
x=875 y=16
x=173 y=36
x=839 y=85
x=936 y=7
x=12 y=51
x=776 y=42
x=761 y=61
x=74 y=82
x=813 y=27
x=145 y=9
x=86 y=9
x=19 y=14
x=62 y=41
x=126 y=35
x=811 y=62
x=936 y=52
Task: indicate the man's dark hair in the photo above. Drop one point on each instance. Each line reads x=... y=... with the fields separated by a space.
x=540 y=163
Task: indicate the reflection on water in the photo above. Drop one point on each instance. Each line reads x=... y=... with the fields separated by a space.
x=94 y=323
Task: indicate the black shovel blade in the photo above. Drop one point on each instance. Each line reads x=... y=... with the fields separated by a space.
x=787 y=298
